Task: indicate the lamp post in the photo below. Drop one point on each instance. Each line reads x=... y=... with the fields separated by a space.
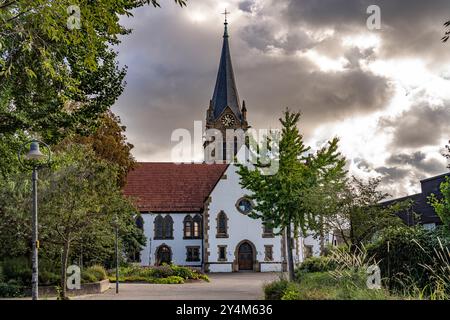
x=34 y=162
x=116 y=226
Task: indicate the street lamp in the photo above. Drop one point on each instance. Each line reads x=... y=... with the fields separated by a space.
x=33 y=160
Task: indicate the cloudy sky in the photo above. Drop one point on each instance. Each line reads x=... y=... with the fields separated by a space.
x=385 y=93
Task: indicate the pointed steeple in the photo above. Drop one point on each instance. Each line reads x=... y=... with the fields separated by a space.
x=225 y=92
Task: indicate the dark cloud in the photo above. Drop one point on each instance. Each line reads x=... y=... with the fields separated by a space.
x=246 y=5
x=409 y=27
x=362 y=164
x=422 y=125
x=419 y=161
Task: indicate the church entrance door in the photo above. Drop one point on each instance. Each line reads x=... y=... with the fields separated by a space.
x=245 y=256
x=163 y=255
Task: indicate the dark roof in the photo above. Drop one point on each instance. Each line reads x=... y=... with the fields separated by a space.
x=420 y=201
x=225 y=92
x=170 y=187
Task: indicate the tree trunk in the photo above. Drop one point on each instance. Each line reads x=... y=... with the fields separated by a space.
x=65 y=258
x=290 y=258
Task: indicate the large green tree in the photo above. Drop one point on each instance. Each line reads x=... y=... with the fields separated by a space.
x=279 y=198
x=58 y=69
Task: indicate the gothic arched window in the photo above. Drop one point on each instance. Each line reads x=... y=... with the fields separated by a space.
x=222 y=225
x=159 y=226
x=197 y=226
x=187 y=227
x=168 y=227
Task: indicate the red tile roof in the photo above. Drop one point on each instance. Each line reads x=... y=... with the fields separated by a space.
x=170 y=187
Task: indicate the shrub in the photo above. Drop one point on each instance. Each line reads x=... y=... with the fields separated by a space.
x=17 y=268
x=98 y=271
x=88 y=276
x=48 y=278
x=275 y=290
x=315 y=264
x=170 y=280
x=407 y=258
x=2 y=278
x=163 y=271
x=11 y=290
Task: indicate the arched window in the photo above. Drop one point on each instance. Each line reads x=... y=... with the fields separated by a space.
x=222 y=225
x=159 y=226
x=187 y=227
x=197 y=227
x=140 y=222
x=168 y=227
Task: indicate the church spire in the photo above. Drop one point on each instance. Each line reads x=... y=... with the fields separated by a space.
x=225 y=92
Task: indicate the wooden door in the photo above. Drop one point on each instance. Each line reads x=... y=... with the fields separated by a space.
x=245 y=256
x=164 y=255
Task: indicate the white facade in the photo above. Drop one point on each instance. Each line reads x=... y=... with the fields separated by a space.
x=240 y=228
x=178 y=245
x=265 y=251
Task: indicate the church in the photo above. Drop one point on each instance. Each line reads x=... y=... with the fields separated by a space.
x=197 y=214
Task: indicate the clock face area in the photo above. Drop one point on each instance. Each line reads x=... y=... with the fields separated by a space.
x=228 y=120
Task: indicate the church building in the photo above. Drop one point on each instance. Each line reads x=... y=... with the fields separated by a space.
x=197 y=214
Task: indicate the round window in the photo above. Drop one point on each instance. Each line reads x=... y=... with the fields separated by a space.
x=244 y=205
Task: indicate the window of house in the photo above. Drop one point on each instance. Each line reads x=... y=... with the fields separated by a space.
x=244 y=205
x=267 y=230
x=192 y=253
x=222 y=253
x=188 y=227
x=268 y=252
x=163 y=227
x=168 y=227
x=308 y=250
x=197 y=227
x=222 y=225
x=140 y=222
x=159 y=222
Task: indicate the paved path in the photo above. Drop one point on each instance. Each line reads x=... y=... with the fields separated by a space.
x=222 y=286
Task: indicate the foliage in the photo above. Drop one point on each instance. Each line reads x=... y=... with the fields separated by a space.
x=352 y=209
x=98 y=271
x=10 y=290
x=279 y=198
x=275 y=290
x=110 y=144
x=407 y=258
x=442 y=205
x=60 y=78
x=79 y=207
x=158 y=274
x=315 y=264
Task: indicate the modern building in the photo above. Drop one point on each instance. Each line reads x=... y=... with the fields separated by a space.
x=421 y=211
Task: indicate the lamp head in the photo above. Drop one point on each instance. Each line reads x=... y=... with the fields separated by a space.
x=34 y=153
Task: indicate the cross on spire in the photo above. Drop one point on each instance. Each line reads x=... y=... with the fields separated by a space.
x=225 y=34
x=226 y=13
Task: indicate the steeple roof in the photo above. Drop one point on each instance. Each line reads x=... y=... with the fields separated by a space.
x=225 y=91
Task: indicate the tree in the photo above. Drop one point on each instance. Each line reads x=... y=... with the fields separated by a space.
x=58 y=76
x=109 y=143
x=441 y=205
x=279 y=198
x=78 y=209
x=351 y=208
